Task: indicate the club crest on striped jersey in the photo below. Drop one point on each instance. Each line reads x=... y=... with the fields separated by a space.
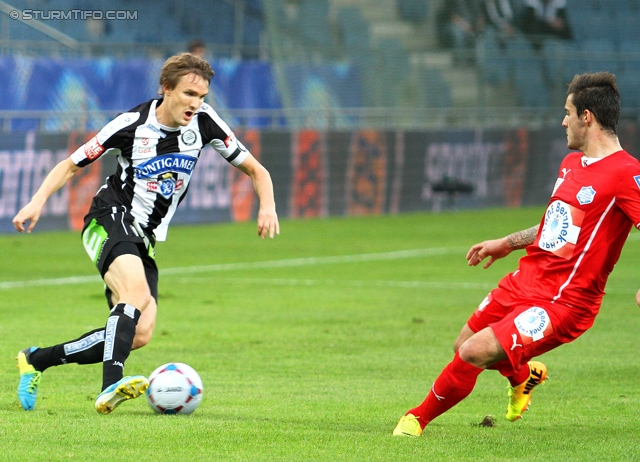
x=167 y=163
x=585 y=195
x=637 y=178
x=189 y=137
x=166 y=185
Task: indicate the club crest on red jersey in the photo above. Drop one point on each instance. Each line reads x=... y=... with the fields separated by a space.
x=585 y=195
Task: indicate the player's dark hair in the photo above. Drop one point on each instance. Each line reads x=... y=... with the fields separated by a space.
x=597 y=92
x=182 y=64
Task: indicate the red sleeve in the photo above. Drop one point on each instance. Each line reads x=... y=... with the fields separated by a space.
x=628 y=192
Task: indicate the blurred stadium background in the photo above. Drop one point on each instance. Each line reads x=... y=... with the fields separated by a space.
x=355 y=106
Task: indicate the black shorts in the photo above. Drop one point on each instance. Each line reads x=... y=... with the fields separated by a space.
x=110 y=231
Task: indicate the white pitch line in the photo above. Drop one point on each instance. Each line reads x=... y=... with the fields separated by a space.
x=349 y=283
x=291 y=262
x=311 y=261
x=436 y=285
x=49 y=282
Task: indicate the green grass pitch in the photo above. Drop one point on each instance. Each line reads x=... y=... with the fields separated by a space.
x=311 y=346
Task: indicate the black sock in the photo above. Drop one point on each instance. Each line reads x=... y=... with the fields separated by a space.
x=88 y=349
x=118 y=338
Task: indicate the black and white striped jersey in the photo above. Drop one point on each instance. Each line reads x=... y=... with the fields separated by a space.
x=155 y=162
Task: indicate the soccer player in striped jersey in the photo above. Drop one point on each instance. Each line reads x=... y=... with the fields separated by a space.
x=555 y=294
x=157 y=145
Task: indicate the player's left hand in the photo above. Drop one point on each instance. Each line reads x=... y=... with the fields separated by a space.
x=638 y=297
x=268 y=223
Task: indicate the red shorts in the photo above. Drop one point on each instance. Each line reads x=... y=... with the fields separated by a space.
x=526 y=329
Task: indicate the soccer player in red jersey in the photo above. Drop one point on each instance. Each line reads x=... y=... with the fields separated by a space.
x=555 y=294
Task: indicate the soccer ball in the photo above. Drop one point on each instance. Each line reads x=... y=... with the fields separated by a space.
x=174 y=388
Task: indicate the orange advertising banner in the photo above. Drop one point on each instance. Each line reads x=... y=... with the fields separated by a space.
x=243 y=196
x=308 y=194
x=366 y=173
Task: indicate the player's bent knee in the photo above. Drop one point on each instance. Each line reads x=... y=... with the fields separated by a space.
x=146 y=324
x=142 y=338
x=140 y=341
x=463 y=336
x=139 y=298
x=468 y=354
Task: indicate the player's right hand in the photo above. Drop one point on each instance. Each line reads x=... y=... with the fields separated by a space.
x=30 y=213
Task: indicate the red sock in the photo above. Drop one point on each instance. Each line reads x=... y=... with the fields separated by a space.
x=516 y=377
x=453 y=384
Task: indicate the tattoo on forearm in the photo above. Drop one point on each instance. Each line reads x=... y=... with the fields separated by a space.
x=521 y=239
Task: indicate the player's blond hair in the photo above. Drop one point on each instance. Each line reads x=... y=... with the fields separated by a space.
x=180 y=65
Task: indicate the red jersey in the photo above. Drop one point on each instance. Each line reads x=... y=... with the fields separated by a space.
x=587 y=221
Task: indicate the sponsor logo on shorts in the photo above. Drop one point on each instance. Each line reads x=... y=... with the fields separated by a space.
x=533 y=324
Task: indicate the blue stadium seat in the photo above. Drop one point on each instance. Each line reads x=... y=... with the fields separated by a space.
x=554 y=55
x=436 y=90
x=492 y=59
x=626 y=26
x=313 y=21
x=354 y=28
x=393 y=61
x=629 y=86
x=630 y=55
x=599 y=55
x=413 y=10
x=253 y=28
x=528 y=77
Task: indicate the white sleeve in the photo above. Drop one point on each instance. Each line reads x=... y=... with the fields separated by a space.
x=105 y=140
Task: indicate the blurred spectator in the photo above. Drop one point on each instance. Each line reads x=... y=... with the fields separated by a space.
x=501 y=16
x=198 y=48
x=413 y=10
x=97 y=29
x=460 y=23
x=545 y=18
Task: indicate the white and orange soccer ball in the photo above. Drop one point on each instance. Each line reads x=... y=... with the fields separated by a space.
x=174 y=388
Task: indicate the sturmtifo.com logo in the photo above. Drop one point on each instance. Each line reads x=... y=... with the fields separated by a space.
x=75 y=15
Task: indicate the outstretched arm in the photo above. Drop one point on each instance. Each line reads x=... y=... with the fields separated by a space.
x=55 y=180
x=499 y=248
x=267 y=217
